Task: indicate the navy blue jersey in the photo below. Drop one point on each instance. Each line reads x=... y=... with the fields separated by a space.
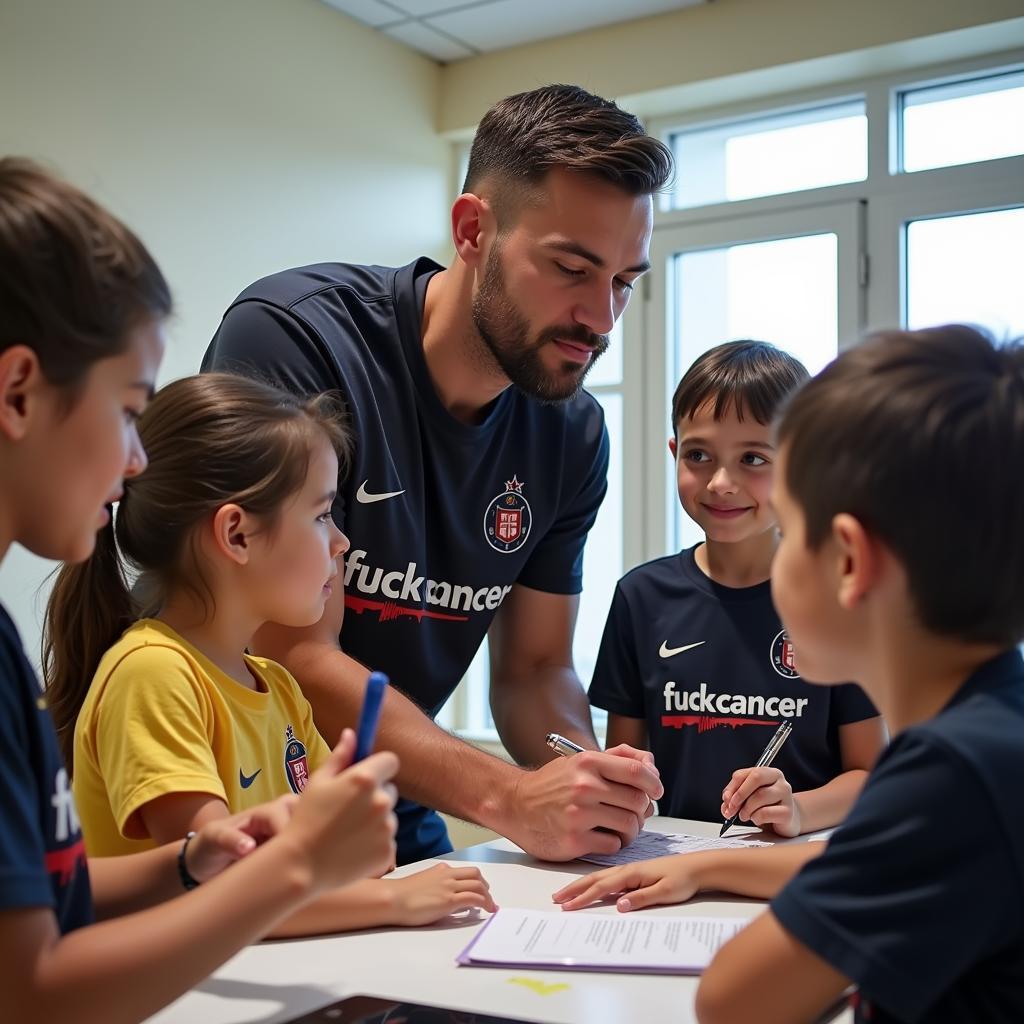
x=444 y=517
x=711 y=671
x=42 y=858
x=918 y=897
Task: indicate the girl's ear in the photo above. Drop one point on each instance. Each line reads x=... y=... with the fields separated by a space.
x=21 y=381
x=233 y=529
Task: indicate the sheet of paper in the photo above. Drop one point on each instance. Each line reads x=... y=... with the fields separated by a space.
x=658 y=844
x=585 y=941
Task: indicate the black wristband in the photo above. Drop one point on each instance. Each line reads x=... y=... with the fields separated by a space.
x=183 y=873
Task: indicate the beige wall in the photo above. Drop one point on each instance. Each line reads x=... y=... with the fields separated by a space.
x=731 y=49
x=238 y=137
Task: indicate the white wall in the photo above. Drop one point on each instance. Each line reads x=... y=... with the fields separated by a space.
x=237 y=137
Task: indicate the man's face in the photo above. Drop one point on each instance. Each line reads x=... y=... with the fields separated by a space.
x=556 y=280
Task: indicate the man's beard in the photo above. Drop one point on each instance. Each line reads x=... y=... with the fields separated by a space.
x=506 y=333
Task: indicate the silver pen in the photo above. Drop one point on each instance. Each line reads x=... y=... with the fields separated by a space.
x=774 y=746
x=561 y=746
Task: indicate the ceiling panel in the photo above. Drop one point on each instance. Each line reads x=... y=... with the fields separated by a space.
x=450 y=30
x=424 y=39
x=369 y=11
x=419 y=8
x=501 y=23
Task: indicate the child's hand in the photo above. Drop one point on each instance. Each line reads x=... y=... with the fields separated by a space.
x=430 y=895
x=221 y=842
x=763 y=797
x=343 y=825
x=644 y=884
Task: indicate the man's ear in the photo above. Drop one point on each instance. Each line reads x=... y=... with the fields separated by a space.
x=473 y=222
x=233 y=530
x=21 y=384
x=858 y=560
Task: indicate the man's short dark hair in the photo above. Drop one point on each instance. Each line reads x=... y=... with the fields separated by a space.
x=920 y=436
x=524 y=136
x=748 y=376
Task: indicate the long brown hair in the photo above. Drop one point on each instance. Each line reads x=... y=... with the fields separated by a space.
x=211 y=440
x=74 y=281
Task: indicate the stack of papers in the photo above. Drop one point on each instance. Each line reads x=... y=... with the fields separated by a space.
x=581 y=941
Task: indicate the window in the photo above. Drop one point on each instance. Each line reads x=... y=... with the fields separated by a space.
x=962 y=122
x=967 y=269
x=783 y=152
x=785 y=225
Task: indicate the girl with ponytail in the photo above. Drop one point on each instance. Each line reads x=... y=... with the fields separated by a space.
x=168 y=721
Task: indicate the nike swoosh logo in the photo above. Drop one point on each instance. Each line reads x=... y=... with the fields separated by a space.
x=245 y=781
x=364 y=497
x=668 y=652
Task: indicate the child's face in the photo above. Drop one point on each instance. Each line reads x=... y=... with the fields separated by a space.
x=724 y=473
x=292 y=568
x=76 y=460
x=805 y=585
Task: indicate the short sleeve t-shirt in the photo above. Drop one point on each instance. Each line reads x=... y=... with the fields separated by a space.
x=161 y=718
x=918 y=897
x=711 y=671
x=42 y=857
x=444 y=517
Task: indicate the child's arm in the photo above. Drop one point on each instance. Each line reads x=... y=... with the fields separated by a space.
x=763 y=797
x=342 y=828
x=765 y=974
x=422 y=898
x=631 y=731
x=123 y=885
x=756 y=872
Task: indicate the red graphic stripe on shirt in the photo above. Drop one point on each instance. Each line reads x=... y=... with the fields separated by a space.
x=63 y=862
x=389 y=610
x=706 y=722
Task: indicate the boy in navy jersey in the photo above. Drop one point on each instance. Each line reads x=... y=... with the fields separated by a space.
x=887 y=574
x=694 y=663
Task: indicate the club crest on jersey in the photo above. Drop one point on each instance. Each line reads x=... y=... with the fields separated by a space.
x=508 y=519
x=783 y=660
x=296 y=765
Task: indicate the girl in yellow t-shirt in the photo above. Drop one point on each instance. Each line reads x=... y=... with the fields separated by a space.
x=231 y=526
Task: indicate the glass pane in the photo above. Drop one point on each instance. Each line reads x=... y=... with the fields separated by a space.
x=608 y=369
x=784 y=291
x=782 y=153
x=961 y=122
x=967 y=269
x=602 y=557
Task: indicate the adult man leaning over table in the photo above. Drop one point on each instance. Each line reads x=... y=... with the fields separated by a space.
x=479 y=468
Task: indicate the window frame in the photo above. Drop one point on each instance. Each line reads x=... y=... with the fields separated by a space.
x=887 y=200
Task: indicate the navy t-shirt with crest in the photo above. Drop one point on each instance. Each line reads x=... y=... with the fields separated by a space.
x=444 y=517
x=712 y=673
x=42 y=857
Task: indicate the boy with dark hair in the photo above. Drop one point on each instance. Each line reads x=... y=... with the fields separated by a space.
x=694 y=664
x=885 y=574
x=478 y=470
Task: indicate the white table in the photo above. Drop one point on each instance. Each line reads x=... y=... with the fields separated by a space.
x=275 y=981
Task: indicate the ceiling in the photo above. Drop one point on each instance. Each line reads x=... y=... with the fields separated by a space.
x=449 y=30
